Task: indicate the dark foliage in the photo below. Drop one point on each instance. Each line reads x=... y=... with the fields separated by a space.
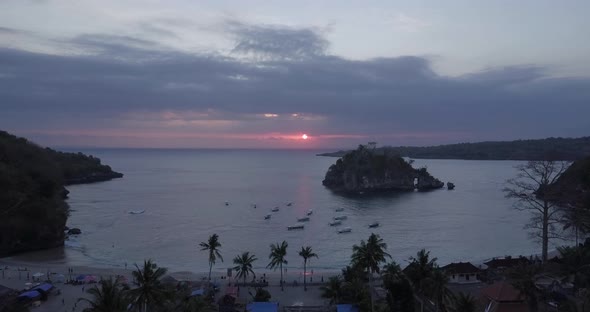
x=552 y=148
x=32 y=210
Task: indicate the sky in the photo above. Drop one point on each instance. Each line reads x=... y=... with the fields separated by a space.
x=260 y=74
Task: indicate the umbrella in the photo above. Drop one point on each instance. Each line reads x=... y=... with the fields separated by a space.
x=80 y=277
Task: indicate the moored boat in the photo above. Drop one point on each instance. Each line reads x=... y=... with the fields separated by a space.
x=335 y=223
x=340 y=218
x=267 y=217
x=304 y=219
x=374 y=225
x=136 y=211
x=309 y=212
x=340 y=209
x=345 y=230
x=295 y=227
x=275 y=209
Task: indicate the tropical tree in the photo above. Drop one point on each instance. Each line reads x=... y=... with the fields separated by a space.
x=277 y=258
x=463 y=303
x=369 y=256
x=400 y=296
x=149 y=291
x=523 y=279
x=243 y=264
x=438 y=291
x=333 y=290
x=531 y=190
x=575 y=262
x=306 y=253
x=191 y=304
x=109 y=297
x=420 y=271
x=212 y=246
x=261 y=295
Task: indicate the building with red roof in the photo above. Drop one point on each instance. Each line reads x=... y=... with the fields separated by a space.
x=503 y=297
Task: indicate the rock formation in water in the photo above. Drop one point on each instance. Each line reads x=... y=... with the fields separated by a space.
x=362 y=170
x=32 y=206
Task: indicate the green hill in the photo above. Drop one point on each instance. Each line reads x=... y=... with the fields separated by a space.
x=553 y=148
x=33 y=212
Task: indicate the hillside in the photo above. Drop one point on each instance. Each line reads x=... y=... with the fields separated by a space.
x=554 y=148
x=33 y=212
x=362 y=170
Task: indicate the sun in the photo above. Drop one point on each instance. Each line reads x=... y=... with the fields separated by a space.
x=304 y=136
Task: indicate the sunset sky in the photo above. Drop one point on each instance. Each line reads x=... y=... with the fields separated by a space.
x=260 y=74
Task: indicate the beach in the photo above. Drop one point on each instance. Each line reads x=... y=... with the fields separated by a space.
x=15 y=275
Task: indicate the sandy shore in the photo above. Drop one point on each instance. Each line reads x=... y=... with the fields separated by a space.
x=16 y=273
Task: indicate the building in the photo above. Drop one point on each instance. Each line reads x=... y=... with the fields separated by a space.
x=506 y=263
x=462 y=273
x=503 y=297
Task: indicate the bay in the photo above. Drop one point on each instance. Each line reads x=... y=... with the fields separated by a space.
x=183 y=193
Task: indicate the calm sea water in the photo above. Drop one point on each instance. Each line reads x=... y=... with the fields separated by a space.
x=183 y=193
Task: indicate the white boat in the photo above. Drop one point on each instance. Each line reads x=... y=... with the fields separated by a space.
x=275 y=209
x=304 y=219
x=341 y=218
x=339 y=209
x=374 y=225
x=267 y=217
x=345 y=230
x=335 y=223
x=136 y=211
x=295 y=227
x=309 y=212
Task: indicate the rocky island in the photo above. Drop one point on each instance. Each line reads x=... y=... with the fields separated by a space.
x=363 y=170
x=32 y=195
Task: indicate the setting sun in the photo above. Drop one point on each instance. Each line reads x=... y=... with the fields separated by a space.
x=304 y=136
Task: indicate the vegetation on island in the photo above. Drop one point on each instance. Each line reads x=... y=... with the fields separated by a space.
x=33 y=212
x=365 y=170
x=555 y=148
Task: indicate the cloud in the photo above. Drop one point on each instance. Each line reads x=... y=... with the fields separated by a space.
x=277 y=42
x=406 y=23
x=135 y=86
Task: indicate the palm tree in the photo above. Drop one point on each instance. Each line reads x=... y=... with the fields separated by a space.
x=437 y=285
x=370 y=255
x=243 y=264
x=420 y=270
x=306 y=253
x=149 y=290
x=110 y=297
x=212 y=246
x=463 y=303
x=277 y=258
x=333 y=290
x=400 y=295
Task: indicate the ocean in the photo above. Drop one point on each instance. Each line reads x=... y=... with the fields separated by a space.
x=183 y=194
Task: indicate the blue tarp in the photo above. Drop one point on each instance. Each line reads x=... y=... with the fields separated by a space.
x=81 y=277
x=44 y=287
x=263 y=307
x=346 y=308
x=198 y=292
x=30 y=294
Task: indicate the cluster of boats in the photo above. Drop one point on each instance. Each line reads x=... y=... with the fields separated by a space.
x=337 y=221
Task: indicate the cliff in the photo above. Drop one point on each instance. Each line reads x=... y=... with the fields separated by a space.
x=363 y=170
x=573 y=186
x=33 y=212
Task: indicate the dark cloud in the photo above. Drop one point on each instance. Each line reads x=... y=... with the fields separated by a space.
x=271 y=41
x=394 y=98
